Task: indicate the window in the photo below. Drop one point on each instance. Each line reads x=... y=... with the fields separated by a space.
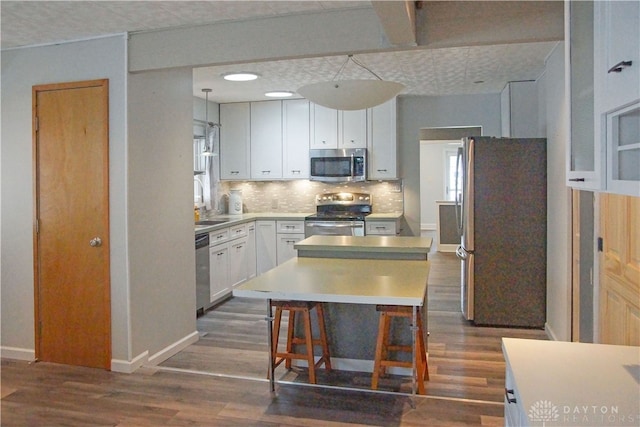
x=451 y=157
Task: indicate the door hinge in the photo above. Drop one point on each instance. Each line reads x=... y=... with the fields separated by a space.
x=36 y=124
x=37 y=226
x=600 y=244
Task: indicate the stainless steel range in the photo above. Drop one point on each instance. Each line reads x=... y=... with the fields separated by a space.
x=338 y=214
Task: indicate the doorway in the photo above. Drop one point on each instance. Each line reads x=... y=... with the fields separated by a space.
x=582 y=266
x=71 y=238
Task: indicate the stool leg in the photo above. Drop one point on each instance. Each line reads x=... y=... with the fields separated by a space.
x=323 y=337
x=276 y=335
x=379 y=351
x=290 y=333
x=309 y=343
x=422 y=350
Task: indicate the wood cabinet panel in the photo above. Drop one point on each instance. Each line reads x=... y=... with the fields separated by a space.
x=620 y=270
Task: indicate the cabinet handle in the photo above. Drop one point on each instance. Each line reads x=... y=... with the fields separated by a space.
x=576 y=179
x=295 y=171
x=507 y=392
x=619 y=66
x=382 y=170
x=266 y=172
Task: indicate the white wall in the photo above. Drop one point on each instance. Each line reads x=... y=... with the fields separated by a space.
x=22 y=69
x=432 y=179
x=160 y=212
x=416 y=112
x=558 y=201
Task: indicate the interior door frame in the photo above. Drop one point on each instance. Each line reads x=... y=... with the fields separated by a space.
x=35 y=174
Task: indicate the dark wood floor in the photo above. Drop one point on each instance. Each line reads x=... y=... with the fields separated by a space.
x=220 y=380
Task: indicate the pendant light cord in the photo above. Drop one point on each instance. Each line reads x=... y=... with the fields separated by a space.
x=358 y=63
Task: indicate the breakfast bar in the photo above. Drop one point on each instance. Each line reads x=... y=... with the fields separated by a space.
x=351 y=288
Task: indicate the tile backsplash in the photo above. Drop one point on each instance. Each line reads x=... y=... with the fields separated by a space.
x=299 y=196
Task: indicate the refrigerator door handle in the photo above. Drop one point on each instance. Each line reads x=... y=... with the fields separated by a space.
x=458 y=194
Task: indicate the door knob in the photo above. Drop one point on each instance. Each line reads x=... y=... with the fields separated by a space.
x=95 y=242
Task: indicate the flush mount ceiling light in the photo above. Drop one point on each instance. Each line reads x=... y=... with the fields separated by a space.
x=351 y=94
x=279 y=94
x=208 y=146
x=241 y=76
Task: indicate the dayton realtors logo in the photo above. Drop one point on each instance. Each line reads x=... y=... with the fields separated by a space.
x=545 y=412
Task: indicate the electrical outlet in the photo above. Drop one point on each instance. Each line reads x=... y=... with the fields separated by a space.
x=274 y=204
x=396 y=186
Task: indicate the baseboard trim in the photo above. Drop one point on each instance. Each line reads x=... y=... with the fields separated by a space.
x=143 y=359
x=128 y=367
x=173 y=349
x=18 y=353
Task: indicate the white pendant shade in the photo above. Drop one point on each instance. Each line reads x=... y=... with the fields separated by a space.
x=350 y=94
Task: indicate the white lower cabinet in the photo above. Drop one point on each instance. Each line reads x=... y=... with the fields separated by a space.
x=230 y=258
x=285 y=249
x=288 y=234
x=381 y=228
x=219 y=272
x=251 y=250
x=266 y=249
x=238 y=261
x=514 y=414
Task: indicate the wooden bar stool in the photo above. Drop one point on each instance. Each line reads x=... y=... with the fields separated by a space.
x=384 y=346
x=303 y=307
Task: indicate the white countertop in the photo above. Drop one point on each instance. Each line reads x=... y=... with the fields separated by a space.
x=581 y=380
x=354 y=281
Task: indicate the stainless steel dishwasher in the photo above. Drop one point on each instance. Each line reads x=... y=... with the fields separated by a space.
x=202 y=272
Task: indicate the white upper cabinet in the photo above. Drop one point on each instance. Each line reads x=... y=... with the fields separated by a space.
x=352 y=129
x=235 y=134
x=295 y=140
x=519 y=110
x=266 y=140
x=617 y=92
x=324 y=127
x=382 y=148
x=337 y=129
x=584 y=159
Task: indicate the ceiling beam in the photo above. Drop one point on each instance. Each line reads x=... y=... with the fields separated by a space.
x=398 y=19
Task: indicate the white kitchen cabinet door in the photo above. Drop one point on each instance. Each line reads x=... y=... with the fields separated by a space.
x=235 y=134
x=219 y=272
x=382 y=146
x=251 y=250
x=285 y=244
x=266 y=248
x=617 y=92
x=352 y=128
x=295 y=139
x=584 y=160
x=266 y=140
x=324 y=127
x=238 y=261
x=617 y=52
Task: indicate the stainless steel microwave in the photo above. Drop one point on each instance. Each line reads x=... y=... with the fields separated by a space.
x=338 y=165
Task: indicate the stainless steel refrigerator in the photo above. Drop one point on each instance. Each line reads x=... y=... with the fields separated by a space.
x=502 y=219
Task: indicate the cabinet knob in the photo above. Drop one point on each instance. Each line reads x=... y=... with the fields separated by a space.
x=619 y=66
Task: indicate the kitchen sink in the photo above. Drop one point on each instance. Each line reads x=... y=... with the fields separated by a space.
x=211 y=222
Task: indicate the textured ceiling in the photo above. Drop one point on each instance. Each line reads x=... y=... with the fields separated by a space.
x=448 y=71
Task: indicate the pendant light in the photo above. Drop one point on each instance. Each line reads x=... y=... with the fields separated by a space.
x=351 y=94
x=208 y=149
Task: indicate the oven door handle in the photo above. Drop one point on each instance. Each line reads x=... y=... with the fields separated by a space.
x=333 y=225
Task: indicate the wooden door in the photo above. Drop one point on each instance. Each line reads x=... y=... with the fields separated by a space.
x=71 y=239
x=620 y=270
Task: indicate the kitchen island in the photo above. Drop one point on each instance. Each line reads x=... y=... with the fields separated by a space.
x=365 y=247
x=350 y=288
